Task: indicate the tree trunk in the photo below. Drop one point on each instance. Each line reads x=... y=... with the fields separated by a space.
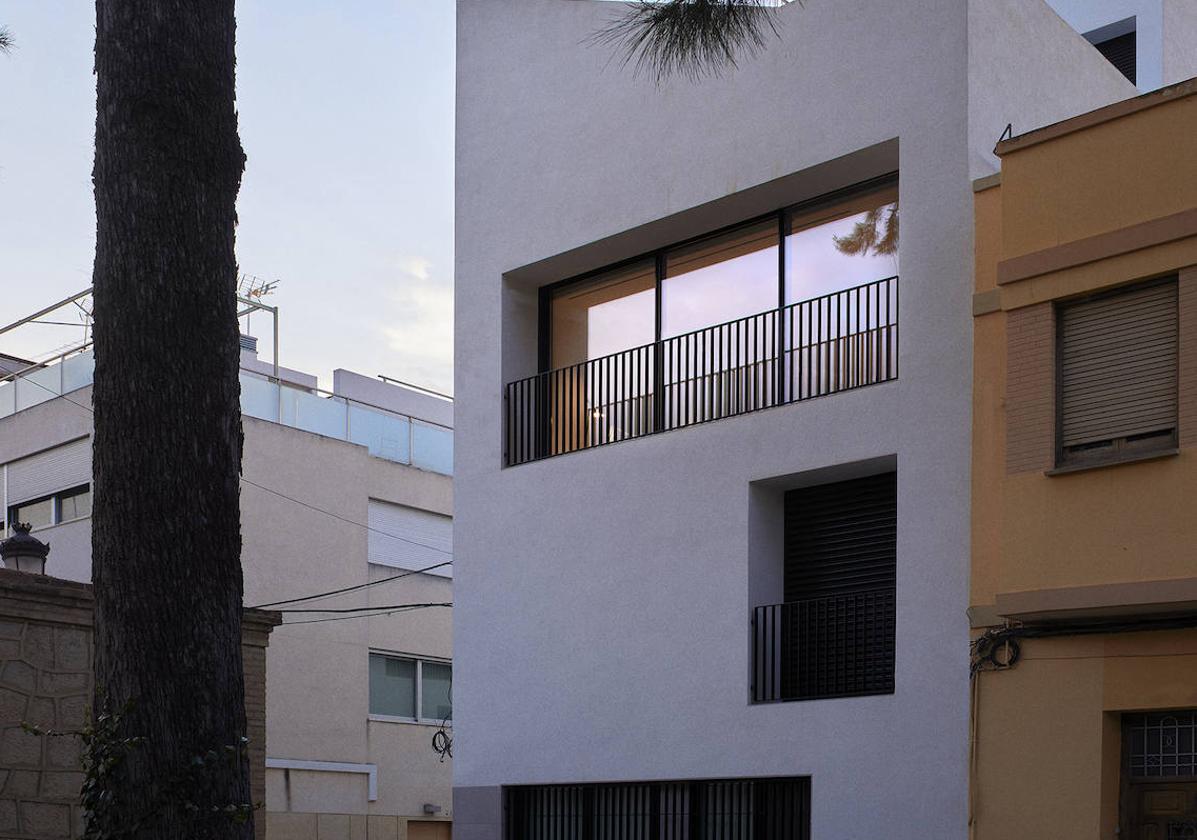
x=166 y=532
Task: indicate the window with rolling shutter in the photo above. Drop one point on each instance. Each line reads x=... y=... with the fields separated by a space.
x=1117 y=374
x=409 y=538
x=834 y=635
x=50 y=471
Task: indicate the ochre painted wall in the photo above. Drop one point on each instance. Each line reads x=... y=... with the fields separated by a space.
x=1078 y=208
x=1032 y=531
x=1049 y=737
x=1108 y=176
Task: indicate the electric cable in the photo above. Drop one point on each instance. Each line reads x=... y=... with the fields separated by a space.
x=363 y=609
x=350 y=617
x=354 y=588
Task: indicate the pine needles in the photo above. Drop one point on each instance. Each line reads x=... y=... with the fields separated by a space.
x=690 y=38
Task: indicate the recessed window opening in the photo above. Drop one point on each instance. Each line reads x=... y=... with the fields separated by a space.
x=797 y=304
x=834 y=634
x=831 y=244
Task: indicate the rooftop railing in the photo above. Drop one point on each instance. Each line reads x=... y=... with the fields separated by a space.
x=837 y=342
x=386 y=434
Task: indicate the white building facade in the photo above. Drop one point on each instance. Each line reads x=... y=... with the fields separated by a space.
x=712 y=470
x=348 y=492
x=1154 y=37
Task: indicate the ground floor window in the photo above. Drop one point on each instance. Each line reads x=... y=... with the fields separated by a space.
x=729 y=809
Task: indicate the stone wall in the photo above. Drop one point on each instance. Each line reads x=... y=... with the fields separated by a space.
x=46 y=680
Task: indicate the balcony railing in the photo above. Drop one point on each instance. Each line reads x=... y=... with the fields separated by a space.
x=838 y=646
x=386 y=434
x=816 y=347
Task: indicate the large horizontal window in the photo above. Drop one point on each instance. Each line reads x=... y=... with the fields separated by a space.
x=409 y=689
x=603 y=315
x=720 y=279
x=797 y=304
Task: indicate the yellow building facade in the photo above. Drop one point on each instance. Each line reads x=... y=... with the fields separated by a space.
x=1084 y=554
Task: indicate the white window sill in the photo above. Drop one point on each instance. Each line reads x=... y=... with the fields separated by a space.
x=53 y=525
x=409 y=721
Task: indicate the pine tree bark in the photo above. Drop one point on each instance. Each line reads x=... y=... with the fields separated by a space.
x=166 y=533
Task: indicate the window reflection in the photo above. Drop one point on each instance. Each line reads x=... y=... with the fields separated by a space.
x=615 y=311
x=720 y=279
x=841 y=247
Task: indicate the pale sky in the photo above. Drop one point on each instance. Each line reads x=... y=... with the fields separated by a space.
x=346 y=115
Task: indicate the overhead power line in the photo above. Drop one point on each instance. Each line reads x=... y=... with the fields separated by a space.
x=349 y=617
x=364 y=609
x=365 y=585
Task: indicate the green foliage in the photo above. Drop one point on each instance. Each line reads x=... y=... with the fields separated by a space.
x=196 y=789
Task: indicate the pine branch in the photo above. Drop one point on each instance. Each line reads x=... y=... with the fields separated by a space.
x=6 y=40
x=690 y=38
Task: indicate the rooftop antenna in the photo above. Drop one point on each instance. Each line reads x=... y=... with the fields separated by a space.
x=252 y=289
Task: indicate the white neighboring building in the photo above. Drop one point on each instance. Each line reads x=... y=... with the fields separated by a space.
x=679 y=616
x=339 y=490
x=1155 y=38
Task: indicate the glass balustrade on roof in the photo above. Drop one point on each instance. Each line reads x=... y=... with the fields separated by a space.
x=385 y=434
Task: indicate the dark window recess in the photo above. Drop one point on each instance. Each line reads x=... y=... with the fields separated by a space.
x=1120 y=51
x=731 y=809
x=834 y=635
x=1117 y=374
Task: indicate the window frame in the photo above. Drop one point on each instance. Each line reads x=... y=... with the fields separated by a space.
x=1120 y=452
x=55 y=499
x=419 y=661
x=826 y=201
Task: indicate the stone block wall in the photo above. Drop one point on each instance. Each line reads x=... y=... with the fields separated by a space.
x=46 y=680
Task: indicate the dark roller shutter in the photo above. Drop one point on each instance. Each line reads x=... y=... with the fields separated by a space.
x=837 y=627
x=1118 y=365
x=1120 y=52
x=841 y=538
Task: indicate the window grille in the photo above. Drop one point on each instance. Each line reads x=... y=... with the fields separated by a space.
x=729 y=809
x=1163 y=745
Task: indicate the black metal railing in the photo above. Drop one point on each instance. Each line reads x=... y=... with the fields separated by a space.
x=838 y=646
x=729 y=809
x=825 y=345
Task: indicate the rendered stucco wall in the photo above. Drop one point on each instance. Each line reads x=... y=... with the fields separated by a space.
x=1028 y=68
x=602 y=597
x=1151 y=34
x=1061 y=704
